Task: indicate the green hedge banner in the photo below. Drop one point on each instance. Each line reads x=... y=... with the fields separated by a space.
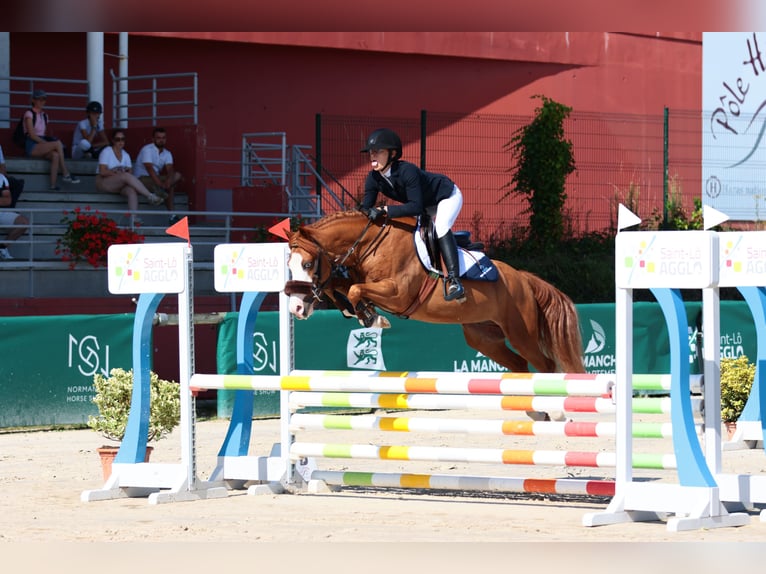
x=48 y=363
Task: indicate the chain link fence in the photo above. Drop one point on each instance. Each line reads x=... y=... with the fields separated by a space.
x=643 y=161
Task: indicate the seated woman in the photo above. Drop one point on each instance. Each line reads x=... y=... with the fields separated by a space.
x=39 y=143
x=114 y=173
x=89 y=137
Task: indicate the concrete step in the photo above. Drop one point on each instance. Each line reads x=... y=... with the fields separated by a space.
x=22 y=166
x=37 y=271
x=55 y=279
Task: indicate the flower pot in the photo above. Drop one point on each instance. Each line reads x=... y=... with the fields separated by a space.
x=107 y=454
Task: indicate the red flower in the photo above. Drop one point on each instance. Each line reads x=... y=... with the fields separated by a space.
x=88 y=236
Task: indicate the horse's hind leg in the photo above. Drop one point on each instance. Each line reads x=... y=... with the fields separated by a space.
x=489 y=339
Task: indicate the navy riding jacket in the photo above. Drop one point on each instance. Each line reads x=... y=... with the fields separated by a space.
x=414 y=188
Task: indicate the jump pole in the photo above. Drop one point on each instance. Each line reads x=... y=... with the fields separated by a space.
x=152 y=270
x=231 y=276
x=666 y=261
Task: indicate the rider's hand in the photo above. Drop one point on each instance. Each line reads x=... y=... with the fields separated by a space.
x=376 y=213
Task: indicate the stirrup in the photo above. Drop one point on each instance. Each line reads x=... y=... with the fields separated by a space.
x=455 y=289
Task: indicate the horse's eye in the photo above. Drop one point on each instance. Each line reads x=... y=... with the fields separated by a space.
x=308 y=265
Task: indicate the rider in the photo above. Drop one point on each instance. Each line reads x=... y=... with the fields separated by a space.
x=418 y=191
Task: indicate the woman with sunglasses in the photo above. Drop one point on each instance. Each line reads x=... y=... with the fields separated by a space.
x=114 y=173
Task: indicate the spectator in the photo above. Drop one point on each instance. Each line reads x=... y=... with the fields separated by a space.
x=114 y=173
x=39 y=143
x=154 y=167
x=89 y=137
x=16 y=184
x=16 y=222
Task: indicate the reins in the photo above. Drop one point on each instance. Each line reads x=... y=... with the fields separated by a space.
x=338 y=266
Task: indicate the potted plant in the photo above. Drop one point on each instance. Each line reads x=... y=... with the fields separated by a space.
x=737 y=377
x=113 y=399
x=88 y=235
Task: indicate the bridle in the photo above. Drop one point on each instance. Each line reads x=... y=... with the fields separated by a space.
x=338 y=265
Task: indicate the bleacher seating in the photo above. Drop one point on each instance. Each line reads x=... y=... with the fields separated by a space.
x=38 y=272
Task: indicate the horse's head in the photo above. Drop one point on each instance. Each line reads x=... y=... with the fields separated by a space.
x=315 y=252
x=305 y=265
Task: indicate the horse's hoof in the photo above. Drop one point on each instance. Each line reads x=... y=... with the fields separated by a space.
x=382 y=322
x=538 y=416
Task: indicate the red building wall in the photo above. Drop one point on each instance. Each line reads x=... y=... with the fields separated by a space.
x=264 y=81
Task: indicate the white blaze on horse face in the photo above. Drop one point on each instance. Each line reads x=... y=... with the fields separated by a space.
x=299 y=308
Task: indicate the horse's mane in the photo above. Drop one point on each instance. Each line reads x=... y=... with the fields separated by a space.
x=303 y=236
x=306 y=234
x=333 y=217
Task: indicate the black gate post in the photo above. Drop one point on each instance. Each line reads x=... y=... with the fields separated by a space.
x=423 y=139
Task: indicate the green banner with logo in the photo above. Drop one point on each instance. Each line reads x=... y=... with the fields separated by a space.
x=48 y=363
x=651 y=345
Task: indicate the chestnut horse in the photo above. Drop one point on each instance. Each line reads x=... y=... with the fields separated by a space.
x=377 y=263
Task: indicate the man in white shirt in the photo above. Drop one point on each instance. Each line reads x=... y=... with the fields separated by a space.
x=154 y=167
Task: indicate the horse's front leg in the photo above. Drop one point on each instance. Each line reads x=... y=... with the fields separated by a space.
x=364 y=296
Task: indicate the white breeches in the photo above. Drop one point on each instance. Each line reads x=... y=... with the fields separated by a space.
x=446 y=211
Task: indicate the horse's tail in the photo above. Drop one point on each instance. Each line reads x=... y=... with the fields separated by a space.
x=559 y=324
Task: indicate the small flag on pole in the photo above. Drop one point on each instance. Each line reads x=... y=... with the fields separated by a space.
x=180 y=229
x=281 y=229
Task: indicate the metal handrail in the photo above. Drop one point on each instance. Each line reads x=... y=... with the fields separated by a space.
x=16 y=91
x=339 y=201
x=122 y=112
x=44 y=234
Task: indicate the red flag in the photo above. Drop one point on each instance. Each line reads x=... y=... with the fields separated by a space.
x=180 y=229
x=281 y=229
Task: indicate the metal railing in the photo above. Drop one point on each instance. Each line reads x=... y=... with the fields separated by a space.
x=156 y=98
x=67 y=98
x=264 y=162
x=304 y=181
x=35 y=252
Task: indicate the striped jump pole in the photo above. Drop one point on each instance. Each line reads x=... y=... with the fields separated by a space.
x=300 y=450
x=305 y=421
x=560 y=486
x=645 y=405
x=525 y=384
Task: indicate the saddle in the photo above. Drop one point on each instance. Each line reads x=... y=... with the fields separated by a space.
x=474 y=263
x=431 y=240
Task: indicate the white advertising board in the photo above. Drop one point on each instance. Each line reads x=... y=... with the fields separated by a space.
x=674 y=259
x=146 y=268
x=252 y=267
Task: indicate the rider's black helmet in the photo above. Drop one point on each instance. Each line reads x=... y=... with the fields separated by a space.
x=94 y=107
x=383 y=138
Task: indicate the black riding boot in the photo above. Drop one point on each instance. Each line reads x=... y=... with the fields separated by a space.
x=453 y=288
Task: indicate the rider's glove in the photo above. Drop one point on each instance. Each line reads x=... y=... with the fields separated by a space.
x=376 y=213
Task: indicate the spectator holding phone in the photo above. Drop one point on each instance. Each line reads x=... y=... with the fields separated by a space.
x=89 y=137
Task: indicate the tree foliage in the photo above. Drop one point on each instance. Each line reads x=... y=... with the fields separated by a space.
x=544 y=159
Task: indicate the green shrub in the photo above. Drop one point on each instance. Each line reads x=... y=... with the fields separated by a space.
x=113 y=399
x=736 y=381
